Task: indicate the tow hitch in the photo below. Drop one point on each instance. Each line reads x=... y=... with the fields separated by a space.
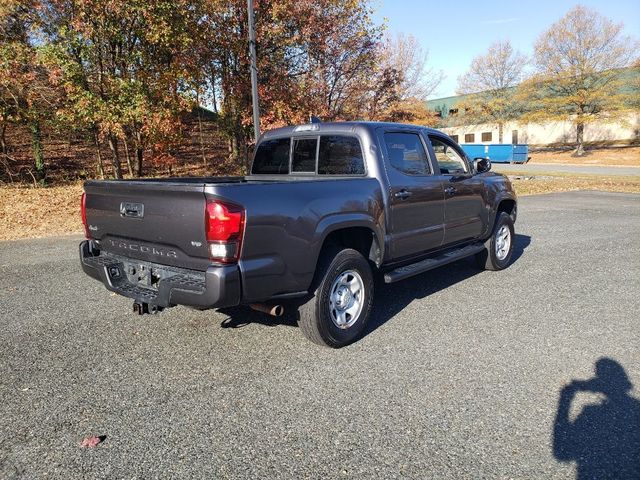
x=141 y=308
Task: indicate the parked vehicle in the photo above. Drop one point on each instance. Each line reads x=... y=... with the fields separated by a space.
x=497 y=152
x=325 y=207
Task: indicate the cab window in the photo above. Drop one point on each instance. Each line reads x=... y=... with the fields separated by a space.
x=406 y=153
x=450 y=160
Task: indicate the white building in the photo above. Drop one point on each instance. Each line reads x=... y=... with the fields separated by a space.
x=550 y=133
x=623 y=131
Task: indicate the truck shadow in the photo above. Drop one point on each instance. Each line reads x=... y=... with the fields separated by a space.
x=390 y=299
x=238 y=317
x=393 y=298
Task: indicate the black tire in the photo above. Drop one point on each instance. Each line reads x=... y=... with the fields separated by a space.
x=315 y=317
x=489 y=259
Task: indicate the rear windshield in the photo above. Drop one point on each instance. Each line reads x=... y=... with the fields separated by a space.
x=335 y=155
x=304 y=155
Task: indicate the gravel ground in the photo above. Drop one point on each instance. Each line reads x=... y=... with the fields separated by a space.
x=459 y=376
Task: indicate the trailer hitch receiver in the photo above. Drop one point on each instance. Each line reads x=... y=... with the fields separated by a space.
x=140 y=308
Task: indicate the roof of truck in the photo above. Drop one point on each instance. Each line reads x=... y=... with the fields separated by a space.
x=337 y=127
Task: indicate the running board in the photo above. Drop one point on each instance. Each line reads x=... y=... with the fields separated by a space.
x=430 y=263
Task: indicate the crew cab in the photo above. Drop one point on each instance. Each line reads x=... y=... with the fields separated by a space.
x=325 y=208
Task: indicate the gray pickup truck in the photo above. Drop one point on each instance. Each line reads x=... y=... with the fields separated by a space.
x=326 y=206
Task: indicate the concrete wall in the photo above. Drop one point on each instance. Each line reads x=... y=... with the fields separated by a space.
x=555 y=132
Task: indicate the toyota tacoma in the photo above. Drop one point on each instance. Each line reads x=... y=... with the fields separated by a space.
x=325 y=207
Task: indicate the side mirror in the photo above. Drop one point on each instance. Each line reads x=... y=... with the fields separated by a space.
x=481 y=165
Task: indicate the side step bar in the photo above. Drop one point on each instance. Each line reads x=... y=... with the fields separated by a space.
x=430 y=263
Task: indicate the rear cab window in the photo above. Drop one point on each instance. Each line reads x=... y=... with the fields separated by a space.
x=322 y=155
x=303 y=157
x=340 y=155
x=272 y=157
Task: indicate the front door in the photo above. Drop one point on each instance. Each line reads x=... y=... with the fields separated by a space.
x=416 y=194
x=464 y=192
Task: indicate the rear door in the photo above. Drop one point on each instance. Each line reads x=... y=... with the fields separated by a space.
x=155 y=221
x=464 y=193
x=416 y=194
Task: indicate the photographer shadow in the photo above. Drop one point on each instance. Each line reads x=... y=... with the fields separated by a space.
x=604 y=439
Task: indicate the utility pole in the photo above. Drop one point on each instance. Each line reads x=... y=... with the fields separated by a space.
x=254 y=71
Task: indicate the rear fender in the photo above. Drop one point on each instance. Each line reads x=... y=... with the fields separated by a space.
x=340 y=221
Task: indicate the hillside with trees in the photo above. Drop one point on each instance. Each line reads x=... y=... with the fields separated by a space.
x=94 y=88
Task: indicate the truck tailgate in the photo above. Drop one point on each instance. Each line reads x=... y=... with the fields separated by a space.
x=160 y=222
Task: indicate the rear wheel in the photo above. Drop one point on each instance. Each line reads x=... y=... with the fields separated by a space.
x=342 y=296
x=499 y=247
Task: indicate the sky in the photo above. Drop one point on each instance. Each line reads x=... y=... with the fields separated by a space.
x=456 y=32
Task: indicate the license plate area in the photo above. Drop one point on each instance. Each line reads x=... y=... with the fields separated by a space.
x=144 y=274
x=131 y=276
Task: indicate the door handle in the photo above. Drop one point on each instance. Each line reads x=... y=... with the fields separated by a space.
x=402 y=194
x=450 y=190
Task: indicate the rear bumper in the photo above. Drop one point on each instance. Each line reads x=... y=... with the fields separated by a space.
x=218 y=287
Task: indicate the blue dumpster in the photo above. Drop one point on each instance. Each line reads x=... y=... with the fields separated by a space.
x=498 y=153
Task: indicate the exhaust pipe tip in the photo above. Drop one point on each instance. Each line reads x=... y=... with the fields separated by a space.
x=273 y=310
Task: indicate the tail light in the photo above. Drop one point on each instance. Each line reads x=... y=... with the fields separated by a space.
x=224 y=224
x=83 y=213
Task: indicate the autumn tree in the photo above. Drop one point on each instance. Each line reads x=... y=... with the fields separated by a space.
x=402 y=82
x=489 y=87
x=314 y=58
x=577 y=64
x=634 y=90
x=404 y=54
x=225 y=79
x=12 y=35
x=127 y=69
x=341 y=55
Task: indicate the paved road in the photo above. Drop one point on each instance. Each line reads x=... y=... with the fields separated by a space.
x=459 y=376
x=534 y=168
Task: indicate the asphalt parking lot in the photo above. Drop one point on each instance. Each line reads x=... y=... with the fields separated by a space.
x=459 y=375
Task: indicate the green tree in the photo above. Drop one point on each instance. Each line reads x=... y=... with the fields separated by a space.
x=577 y=62
x=26 y=95
x=127 y=69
